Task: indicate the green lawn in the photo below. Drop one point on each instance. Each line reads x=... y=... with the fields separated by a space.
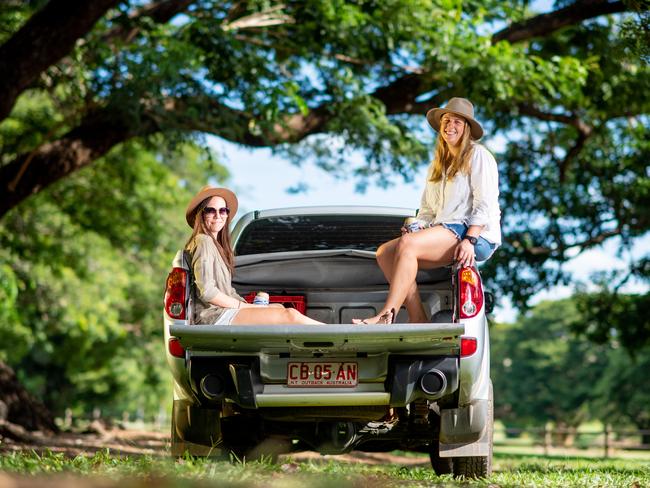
x=510 y=471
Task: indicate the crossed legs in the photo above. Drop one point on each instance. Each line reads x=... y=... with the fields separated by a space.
x=400 y=260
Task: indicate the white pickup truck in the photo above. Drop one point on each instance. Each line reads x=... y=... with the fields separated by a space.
x=332 y=388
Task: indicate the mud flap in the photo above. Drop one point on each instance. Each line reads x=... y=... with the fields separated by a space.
x=463 y=431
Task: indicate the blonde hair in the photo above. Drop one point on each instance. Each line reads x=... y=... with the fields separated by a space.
x=222 y=240
x=444 y=162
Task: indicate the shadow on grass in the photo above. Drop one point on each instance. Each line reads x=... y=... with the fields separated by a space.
x=535 y=463
x=555 y=457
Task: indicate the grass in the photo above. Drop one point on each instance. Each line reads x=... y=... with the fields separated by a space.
x=509 y=471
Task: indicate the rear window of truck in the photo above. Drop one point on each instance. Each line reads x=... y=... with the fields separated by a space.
x=315 y=233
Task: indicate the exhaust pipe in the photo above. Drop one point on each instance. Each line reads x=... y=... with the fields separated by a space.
x=212 y=386
x=433 y=383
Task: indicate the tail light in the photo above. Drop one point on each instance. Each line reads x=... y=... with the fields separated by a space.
x=175 y=348
x=470 y=293
x=175 y=303
x=468 y=346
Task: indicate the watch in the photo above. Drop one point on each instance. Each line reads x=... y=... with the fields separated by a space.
x=472 y=240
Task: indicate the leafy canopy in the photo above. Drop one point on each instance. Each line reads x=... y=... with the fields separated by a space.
x=564 y=97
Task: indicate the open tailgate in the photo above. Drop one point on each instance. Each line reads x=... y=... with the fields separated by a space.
x=396 y=338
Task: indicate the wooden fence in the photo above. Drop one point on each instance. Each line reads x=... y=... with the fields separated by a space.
x=552 y=438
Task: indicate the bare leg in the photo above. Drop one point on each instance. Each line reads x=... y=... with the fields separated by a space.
x=271 y=316
x=435 y=246
x=413 y=302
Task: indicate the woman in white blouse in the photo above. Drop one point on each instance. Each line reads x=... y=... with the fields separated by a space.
x=213 y=262
x=459 y=212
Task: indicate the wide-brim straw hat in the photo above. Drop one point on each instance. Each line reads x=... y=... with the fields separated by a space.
x=457 y=106
x=209 y=192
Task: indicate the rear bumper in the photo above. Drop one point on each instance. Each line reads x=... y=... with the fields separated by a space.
x=238 y=379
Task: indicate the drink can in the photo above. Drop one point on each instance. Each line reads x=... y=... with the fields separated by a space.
x=262 y=298
x=412 y=224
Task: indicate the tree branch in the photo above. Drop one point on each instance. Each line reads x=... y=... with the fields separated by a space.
x=271 y=16
x=160 y=11
x=29 y=173
x=545 y=24
x=20 y=434
x=587 y=243
x=571 y=155
x=45 y=38
x=584 y=131
x=567 y=119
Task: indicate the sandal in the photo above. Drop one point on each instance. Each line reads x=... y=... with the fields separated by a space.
x=385 y=318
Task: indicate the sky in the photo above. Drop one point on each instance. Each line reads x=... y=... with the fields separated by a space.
x=261 y=181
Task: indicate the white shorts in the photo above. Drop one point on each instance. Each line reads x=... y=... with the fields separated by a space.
x=227 y=316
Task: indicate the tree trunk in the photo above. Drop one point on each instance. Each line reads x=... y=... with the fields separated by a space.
x=19 y=408
x=46 y=37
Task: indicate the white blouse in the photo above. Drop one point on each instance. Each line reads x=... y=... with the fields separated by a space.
x=471 y=199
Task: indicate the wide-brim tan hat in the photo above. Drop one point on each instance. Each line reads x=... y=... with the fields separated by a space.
x=457 y=106
x=209 y=192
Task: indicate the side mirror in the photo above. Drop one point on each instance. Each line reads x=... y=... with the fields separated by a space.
x=489 y=301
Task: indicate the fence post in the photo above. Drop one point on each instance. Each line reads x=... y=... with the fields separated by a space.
x=607 y=430
x=547 y=438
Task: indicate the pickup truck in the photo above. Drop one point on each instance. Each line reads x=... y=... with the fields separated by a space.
x=254 y=390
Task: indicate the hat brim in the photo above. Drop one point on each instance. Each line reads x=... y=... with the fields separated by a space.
x=209 y=192
x=435 y=114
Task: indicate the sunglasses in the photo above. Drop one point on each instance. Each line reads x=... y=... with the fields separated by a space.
x=212 y=212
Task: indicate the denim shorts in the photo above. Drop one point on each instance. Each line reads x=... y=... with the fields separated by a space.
x=483 y=249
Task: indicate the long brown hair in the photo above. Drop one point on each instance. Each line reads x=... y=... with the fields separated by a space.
x=222 y=241
x=445 y=160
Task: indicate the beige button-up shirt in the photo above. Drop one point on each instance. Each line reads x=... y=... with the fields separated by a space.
x=470 y=199
x=211 y=276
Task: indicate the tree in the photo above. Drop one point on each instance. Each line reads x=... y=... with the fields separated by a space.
x=568 y=89
x=609 y=316
x=80 y=304
x=620 y=397
x=541 y=371
x=544 y=371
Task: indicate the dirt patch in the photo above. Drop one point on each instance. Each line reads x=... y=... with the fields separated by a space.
x=123 y=442
x=373 y=458
x=118 y=441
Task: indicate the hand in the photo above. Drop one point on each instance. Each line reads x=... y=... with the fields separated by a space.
x=464 y=253
x=404 y=230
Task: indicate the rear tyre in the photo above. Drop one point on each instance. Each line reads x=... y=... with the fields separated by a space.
x=244 y=439
x=478 y=466
x=440 y=465
x=194 y=430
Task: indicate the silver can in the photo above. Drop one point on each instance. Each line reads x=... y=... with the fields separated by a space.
x=262 y=298
x=412 y=224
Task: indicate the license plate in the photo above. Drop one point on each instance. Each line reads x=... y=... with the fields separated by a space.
x=322 y=374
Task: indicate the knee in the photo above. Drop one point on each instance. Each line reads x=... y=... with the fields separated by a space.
x=404 y=245
x=292 y=315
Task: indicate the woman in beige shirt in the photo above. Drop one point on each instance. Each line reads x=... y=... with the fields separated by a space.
x=213 y=263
